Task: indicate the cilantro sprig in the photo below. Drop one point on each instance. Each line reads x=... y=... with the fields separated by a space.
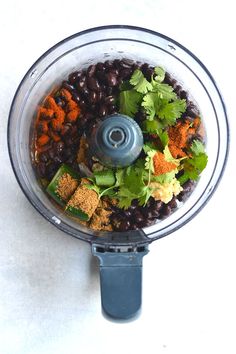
x=194 y=165
x=158 y=99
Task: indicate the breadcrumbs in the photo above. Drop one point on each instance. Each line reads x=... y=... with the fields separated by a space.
x=66 y=186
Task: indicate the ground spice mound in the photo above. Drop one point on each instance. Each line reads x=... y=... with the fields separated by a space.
x=180 y=135
x=178 y=138
x=66 y=186
x=162 y=166
x=84 y=199
x=100 y=219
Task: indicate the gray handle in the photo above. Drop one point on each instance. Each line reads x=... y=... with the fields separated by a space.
x=120 y=279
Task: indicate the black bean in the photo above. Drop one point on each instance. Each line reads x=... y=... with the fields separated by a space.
x=188 y=186
x=92 y=98
x=51 y=170
x=67 y=86
x=41 y=169
x=109 y=100
x=112 y=109
x=134 y=226
x=173 y=203
x=91 y=70
x=100 y=96
x=192 y=110
x=148 y=74
x=102 y=111
x=81 y=84
x=183 y=95
x=93 y=84
x=165 y=210
x=155 y=214
x=82 y=104
x=127 y=213
x=124 y=225
x=125 y=73
x=108 y=64
x=76 y=97
x=100 y=75
x=43 y=157
x=111 y=79
x=108 y=90
x=126 y=63
x=59 y=146
x=137 y=216
x=116 y=63
x=100 y=67
x=158 y=204
x=73 y=77
x=83 y=121
x=85 y=93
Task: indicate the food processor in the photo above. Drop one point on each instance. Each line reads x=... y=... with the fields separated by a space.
x=120 y=253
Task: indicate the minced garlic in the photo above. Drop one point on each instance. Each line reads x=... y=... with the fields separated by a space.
x=166 y=191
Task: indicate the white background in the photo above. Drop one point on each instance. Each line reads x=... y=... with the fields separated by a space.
x=49 y=284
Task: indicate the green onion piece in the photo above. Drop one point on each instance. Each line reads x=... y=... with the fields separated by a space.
x=77 y=213
x=52 y=187
x=105 y=178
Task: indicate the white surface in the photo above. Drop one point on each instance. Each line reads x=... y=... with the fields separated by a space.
x=50 y=297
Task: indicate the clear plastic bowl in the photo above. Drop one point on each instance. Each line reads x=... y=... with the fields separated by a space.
x=100 y=44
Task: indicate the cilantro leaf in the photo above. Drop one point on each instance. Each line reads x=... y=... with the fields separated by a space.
x=165 y=177
x=129 y=102
x=151 y=103
x=164 y=91
x=125 y=85
x=197 y=147
x=149 y=160
x=163 y=135
x=194 y=165
x=140 y=83
x=171 y=111
x=170 y=158
x=147 y=193
x=160 y=73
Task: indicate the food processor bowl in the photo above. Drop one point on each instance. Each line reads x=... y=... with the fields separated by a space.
x=120 y=254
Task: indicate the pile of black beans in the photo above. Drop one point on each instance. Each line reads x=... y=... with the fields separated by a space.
x=96 y=91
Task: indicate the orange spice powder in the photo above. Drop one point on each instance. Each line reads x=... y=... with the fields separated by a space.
x=161 y=165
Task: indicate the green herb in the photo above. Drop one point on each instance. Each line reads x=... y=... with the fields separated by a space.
x=158 y=99
x=139 y=82
x=130 y=102
x=160 y=73
x=197 y=147
x=171 y=111
x=151 y=103
x=165 y=177
x=194 y=165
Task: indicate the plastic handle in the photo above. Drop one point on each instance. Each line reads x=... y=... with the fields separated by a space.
x=121 y=280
